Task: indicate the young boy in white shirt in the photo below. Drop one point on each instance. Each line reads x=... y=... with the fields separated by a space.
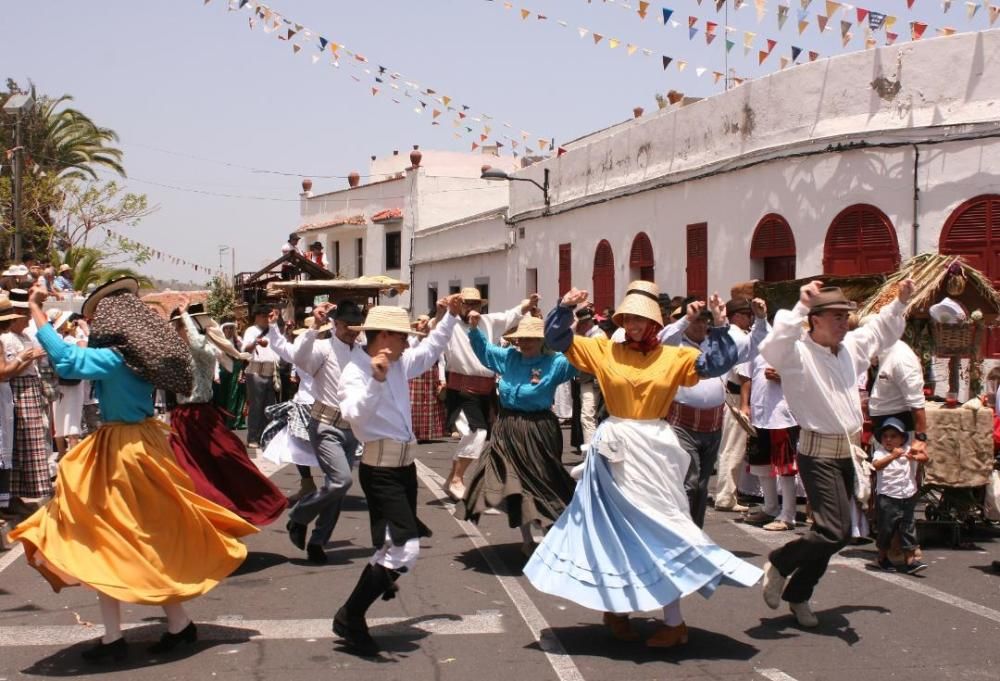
x=896 y=494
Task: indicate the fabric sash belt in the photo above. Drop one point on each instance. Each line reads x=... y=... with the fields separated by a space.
x=477 y=385
x=261 y=368
x=387 y=454
x=699 y=420
x=324 y=413
x=824 y=446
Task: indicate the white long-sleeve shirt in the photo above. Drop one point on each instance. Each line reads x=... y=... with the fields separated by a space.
x=380 y=410
x=286 y=351
x=821 y=387
x=899 y=386
x=459 y=356
x=768 y=408
x=324 y=361
x=259 y=354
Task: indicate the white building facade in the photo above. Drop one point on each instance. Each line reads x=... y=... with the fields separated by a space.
x=371 y=228
x=842 y=166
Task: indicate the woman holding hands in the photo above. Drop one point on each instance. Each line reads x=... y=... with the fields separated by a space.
x=627 y=542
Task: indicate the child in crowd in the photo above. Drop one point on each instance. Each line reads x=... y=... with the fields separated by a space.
x=896 y=494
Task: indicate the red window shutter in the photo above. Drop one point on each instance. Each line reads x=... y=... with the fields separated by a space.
x=604 y=276
x=641 y=257
x=973 y=231
x=861 y=240
x=565 y=269
x=772 y=238
x=697 y=260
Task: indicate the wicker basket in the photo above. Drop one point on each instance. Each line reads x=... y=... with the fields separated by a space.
x=958 y=340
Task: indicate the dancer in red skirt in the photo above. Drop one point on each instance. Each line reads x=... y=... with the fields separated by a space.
x=206 y=449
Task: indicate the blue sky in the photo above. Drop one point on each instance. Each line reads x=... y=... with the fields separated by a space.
x=199 y=98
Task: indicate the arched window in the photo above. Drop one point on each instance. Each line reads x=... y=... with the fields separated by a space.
x=604 y=276
x=861 y=240
x=640 y=259
x=973 y=231
x=774 y=244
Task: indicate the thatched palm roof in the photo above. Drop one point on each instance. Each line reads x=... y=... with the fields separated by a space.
x=930 y=272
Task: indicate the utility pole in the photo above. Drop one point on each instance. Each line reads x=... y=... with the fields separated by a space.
x=18 y=105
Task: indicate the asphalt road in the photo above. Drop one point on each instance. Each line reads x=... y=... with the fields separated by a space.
x=466 y=613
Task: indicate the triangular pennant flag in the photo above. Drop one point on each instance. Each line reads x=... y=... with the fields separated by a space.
x=296 y=48
x=876 y=20
x=542 y=17
x=474 y=146
x=994 y=13
x=322 y=43
x=890 y=21
x=970 y=9
x=613 y=43
x=483 y=138
x=446 y=100
x=597 y=38
x=674 y=96
x=582 y=31
x=803 y=25
x=700 y=71
x=946 y=5
x=761 y=6
x=782 y=16
x=748 y=42
x=719 y=4
x=692 y=21
x=821 y=22
x=796 y=51
x=917 y=29
x=761 y=56
x=666 y=61
x=947 y=30
x=692 y=32
x=770 y=45
x=435 y=113
x=805 y=3
x=542 y=143
x=909 y=4
x=845 y=26
x=729 y=45
x=709 y=38
x=716 y=75
x=643 y=6
x=681 y=65
x=832 y=7
x=861 y=14
x=784 y=61
x=525 y=13
x=666 y=15
x=631 y=49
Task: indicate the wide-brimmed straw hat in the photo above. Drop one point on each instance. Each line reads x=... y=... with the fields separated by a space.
x=528 y=327
x=387 y=318
x=15 y=271
x=642 y=299
x=124 y=284
x=472 y=295
x=310 y=323
x=7 y=311
x=831 y=298
x=57 y=318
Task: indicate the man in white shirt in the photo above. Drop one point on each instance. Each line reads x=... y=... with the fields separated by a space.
x=696 y=414
x=590 y=392
x=375 y=399
x=819 y=370
x=329 y=433
x=898 y=391
x=742 y=314
x=471 y=386
x=259 y=374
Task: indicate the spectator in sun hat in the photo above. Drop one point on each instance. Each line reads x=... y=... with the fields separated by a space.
x=64 y=281
x=315 y=254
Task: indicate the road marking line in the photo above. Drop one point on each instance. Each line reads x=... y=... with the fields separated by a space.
x=562 y=663
x=239 y=629
x=15 y=552
x=774 y=675
x=861 y=565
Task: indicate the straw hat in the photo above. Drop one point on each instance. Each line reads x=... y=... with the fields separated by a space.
x=65 y=268
x=387 y=318
x=7 y=311
x=310 y=323
x=472 y=295
x=642 y=299
x=57 y=318
x=528 y=327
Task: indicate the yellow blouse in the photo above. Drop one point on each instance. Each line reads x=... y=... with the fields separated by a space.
x=635 y=385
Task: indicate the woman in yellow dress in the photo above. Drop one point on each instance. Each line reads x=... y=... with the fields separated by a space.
x=124 y=518
x=627 y=542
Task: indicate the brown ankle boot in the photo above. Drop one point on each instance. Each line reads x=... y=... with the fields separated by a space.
x=668 y=637
x=620 y=627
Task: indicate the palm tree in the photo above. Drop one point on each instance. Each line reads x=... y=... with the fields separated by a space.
x=70 y=145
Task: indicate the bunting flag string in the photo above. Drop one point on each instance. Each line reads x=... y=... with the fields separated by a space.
x=377 y=79
x=158 y=254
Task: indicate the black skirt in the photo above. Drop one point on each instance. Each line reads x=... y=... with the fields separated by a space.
x=521 y=471
x=391 y=494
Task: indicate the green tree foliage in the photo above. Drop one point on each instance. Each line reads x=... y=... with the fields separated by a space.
x=222 y=302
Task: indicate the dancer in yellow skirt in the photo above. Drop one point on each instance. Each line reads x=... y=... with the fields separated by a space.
x=124 y=518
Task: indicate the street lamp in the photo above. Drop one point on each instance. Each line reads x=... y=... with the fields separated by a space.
x=232 y=252
x=496 y=174
x=18 y=105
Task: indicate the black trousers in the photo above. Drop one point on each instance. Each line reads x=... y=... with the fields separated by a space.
x=829 y=487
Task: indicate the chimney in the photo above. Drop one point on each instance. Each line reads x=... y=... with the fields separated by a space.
x=307 y=186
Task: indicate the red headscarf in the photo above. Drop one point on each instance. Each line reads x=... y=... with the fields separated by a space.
x=649 y=340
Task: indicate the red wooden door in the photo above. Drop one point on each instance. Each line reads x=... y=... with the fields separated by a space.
x=774 y=243
x=640 y=259
x=604 y=276
x=861 y=240
x=565 y=268
x=697 y=260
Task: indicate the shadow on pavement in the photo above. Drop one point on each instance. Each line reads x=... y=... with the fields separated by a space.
x=67 y=662
x=257 y=561
x=511 y=560
x=833 y=623
x=593 y=640
x=397 y=638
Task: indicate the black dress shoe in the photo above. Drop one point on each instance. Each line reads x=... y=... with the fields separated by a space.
x=297 y=533
x=354 y=632
x=168 y=641
x=116 y=650
x=316 y=554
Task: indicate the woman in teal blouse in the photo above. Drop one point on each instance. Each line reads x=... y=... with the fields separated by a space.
x=521 y=470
